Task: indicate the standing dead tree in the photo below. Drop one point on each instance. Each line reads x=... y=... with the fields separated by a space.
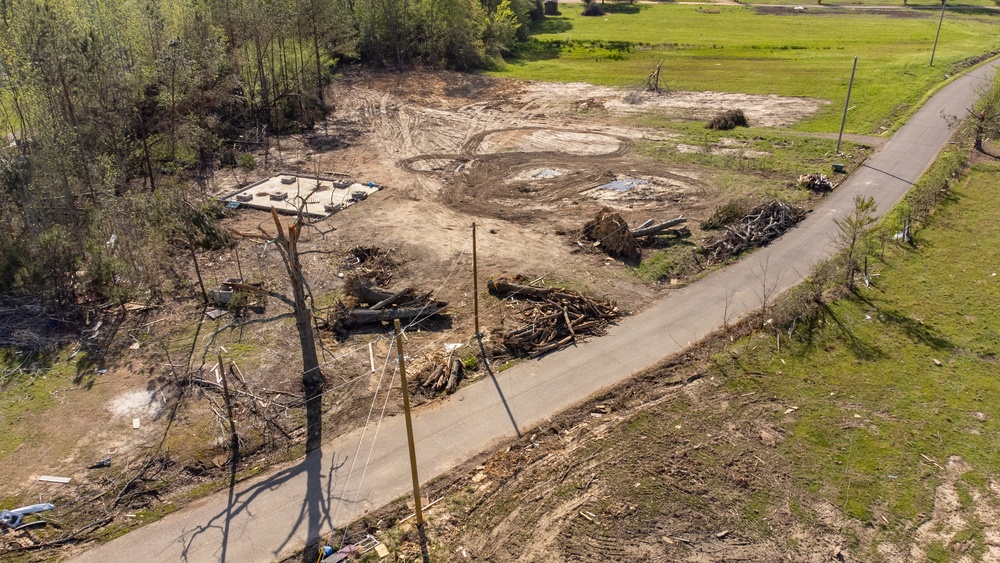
x=287 y=241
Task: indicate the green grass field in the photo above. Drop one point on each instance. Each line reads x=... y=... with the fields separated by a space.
x=900 y=375
x=737 y=49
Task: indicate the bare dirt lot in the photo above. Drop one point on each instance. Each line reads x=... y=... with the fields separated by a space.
x=525 y=161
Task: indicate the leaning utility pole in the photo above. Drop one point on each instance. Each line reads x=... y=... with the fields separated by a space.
x=847 y=102
x=940 y=21
x=417 y=508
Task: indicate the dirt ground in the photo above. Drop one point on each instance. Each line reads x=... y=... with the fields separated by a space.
x=524 y=161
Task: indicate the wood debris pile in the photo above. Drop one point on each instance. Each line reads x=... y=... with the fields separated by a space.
x=760 y=226
x=371 y=262
x=555 y=318
x=374 y=305
x=816 y=182
x=442 y=376
x=610 y=232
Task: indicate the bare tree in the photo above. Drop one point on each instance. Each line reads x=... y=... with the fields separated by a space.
x=987 y=112
x=287 y=241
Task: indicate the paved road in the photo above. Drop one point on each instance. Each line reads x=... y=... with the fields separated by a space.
x=271 y=516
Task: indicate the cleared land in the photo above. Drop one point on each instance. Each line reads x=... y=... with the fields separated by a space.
x=762 y=51
x=868 y=432
x=451 y=149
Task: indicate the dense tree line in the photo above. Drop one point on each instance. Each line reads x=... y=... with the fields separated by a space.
x=114 y=108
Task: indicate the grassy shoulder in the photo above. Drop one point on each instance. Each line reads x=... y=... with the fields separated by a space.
x=740 y=49
x=869 y=426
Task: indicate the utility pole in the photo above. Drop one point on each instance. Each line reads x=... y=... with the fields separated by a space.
x=417 y=508
x=847 y=102
x=475 y=280
x=940 y=21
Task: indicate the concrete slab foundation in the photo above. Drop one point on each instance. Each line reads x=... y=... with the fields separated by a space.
x=316 y=196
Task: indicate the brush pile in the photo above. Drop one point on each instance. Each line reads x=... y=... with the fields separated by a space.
x=760 y=226
x=816 y=182
x=371 y=262
x=555 y=317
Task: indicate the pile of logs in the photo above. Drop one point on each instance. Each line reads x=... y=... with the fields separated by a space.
x=383 y=305
x=609 y=231
x=816 y=182
x=442 y=377
x=555 y=318
x=760 y=226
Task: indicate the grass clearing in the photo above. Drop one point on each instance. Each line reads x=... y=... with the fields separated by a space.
x=894 y=381
x=737 y=49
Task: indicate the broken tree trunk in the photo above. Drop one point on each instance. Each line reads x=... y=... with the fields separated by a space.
x=347 y=318
x=647 y=229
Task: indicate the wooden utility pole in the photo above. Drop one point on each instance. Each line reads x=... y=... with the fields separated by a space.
x=417 y=508
x=475 y=280
x=940 y=21
x=843 y=120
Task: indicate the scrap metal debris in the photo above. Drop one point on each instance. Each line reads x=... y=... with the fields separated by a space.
x=14 y=519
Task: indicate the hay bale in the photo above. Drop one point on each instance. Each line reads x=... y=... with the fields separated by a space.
x=611 y=232
x=729 y=119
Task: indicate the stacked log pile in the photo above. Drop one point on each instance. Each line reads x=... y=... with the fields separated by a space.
x=555 y=318
x=760 y=226
x=441 y=377
x=383 y=305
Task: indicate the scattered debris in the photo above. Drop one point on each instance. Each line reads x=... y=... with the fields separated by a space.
x=106 y=462
x=14 y=519
x=54 y=479
x=135 y=423
x=816 y=182
x=557 y=317
x=760 y=226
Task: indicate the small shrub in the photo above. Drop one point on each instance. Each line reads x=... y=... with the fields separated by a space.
x=593 y=9
x=728 y=119
x=727 y=214
x=247 y=162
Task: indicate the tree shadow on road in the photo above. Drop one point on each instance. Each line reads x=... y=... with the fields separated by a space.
x=313 y=514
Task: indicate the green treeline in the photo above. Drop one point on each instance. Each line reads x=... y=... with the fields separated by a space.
x=114 y=108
